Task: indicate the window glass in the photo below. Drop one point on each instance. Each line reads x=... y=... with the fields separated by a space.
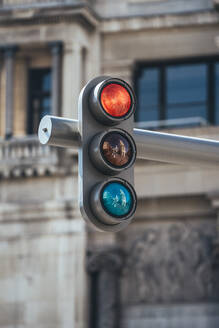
x=46 y=82
x=186 y=91
x=193 y=111
x=39 y=97
x=217 y=93
x=179 y=90
x=46 y=105
x=148 y=91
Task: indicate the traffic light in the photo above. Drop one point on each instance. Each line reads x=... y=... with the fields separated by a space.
x=107 y=153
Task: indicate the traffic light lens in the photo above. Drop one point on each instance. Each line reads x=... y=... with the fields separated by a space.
x=115 y=100
x=117 y=199
x=116 y=149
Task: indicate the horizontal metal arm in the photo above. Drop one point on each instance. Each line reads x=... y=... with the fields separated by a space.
x=151 y=145
x=172 y=148
x=59 y=132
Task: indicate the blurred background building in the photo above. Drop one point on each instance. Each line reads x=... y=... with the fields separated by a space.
x=163 y=270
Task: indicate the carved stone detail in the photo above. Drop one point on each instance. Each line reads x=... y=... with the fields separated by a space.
x=26 y=157
x=110 y=259
x=172 y=264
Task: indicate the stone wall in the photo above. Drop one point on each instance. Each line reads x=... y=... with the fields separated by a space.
x=171 y=263
x=42 y=253
x=41 y=277
x=170 y=276
x=148 y=7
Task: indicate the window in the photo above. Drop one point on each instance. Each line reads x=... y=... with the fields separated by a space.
x=216 y=91
x=148 y=95
x=176 y=91
x=39 y=94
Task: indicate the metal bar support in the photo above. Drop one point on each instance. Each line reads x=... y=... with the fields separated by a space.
x=59 y=132
x=151 y=145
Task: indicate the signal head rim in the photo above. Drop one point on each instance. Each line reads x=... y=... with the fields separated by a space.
x=131 y=143
x=126 y=92
x=132 y=193
x=98 y=158
x=99 y=210
x=97 y=107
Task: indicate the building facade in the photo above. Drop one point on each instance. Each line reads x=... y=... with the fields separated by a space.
x=161 y=271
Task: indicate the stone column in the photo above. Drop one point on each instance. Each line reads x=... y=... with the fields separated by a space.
x=56 y=51
x=72 y=57
x=107 y=265
x=9 y=53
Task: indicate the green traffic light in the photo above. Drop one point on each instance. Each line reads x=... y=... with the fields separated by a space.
x=117 y=199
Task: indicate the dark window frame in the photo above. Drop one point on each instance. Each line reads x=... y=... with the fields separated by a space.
x=40 y=94
x=162 y=66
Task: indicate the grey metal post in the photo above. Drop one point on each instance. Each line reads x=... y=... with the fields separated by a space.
x=9 y=53
x=56 y=50
x=151 y=145
x=58 y=131
x=171 y=148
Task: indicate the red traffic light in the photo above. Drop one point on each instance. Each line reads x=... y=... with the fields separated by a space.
x=115 y=100
x=112 y=101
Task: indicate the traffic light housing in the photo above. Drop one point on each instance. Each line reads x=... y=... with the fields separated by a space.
x=107 y=153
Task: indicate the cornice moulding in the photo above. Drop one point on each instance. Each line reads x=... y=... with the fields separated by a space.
x=39 y=15
x=113 y=25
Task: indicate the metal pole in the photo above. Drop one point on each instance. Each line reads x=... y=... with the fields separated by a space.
x=151 y=145
x=58 y=131
x=171 y=148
